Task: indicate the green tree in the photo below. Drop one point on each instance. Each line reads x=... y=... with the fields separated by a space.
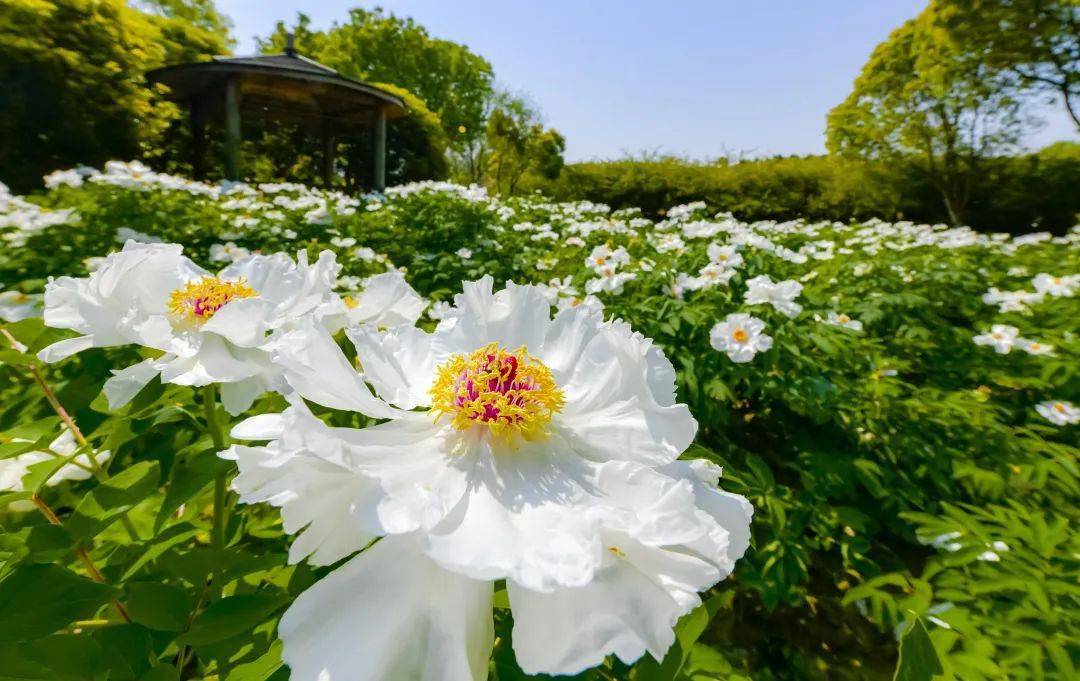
x=71 y=82
x=924 y=99
x=517 y=143
x=1035 y=41
x=375 y=46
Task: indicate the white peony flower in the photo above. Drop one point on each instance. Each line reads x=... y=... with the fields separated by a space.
x=727 y=256
x=1001 y=337
x=1064 y=287
x=387 y=300
x=1058 y=412
x=1033 y=347
x=843 y=320
x=16 y=305
x=14 y=469
x=211 y=329
x=740 y=336
x=781 y=295
x=228 y=252
x=604 y=257
x=516 y=446
x=464 y=253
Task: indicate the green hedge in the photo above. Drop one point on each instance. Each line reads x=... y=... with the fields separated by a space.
x=1012 y=195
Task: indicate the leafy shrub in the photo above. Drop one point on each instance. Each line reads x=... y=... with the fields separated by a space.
x=1016 y=194
x=885 y=465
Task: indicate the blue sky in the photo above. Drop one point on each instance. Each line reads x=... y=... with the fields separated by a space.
x=697 y=78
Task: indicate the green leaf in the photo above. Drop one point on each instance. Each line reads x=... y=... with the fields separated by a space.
x=687 y=631
x=158 y=606
x=107 y=501
x=127 y=650
x=260 y=669
x=232 y=616
x=918 y=658
x=67 y=656
x=162 y=672
x=187 y=479
x=27 y=613
x=16 y=358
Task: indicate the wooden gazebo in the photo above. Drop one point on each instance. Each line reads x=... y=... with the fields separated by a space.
x=283 y=87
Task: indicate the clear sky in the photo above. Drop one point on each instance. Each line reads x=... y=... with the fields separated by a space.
x=698 y=78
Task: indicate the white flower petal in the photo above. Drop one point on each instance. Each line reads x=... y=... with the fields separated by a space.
x=126 y=383
x=390 y=613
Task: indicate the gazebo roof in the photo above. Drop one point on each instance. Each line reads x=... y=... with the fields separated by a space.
x=284 y=86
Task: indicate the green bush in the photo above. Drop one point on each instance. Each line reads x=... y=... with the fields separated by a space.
x=883 y=464
x=1016 y=193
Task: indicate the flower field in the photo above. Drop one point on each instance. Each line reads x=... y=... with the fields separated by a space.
x=436 y=434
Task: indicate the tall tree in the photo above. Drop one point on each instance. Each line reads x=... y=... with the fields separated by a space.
x=518 y=143
x=925 y=99
x=1037 y=42
x=375 y=46
x=71 y=82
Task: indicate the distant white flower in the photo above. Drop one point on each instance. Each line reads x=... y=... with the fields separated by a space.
x=227 y=252
x=343 y=241
x=125 y=234
x=677 y=286
x=1000 y=546
x=16 y=305
x=1058 y=412
x=440 y=310
x=781 y=295
x=1001 y=337
x=1033 y=347
x=665 y=243
x=364 y=253
x=1064 y=287
x=387 y=300
x=989 y=556
x=209 y=329
x=1011 y=301
x=14 y=469
x=609 y=280
x=464 y=253
x=728 y=256
x=843 y=320
x=740 y=336
x=603 y=257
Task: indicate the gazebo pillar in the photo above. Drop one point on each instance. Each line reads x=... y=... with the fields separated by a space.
x=379 y=132
x=328 y=150
x=232 y=130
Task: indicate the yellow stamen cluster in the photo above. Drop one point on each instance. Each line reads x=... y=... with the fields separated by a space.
x=510 y=392
x=350 y=302
x=740 y=335
x=199 y=300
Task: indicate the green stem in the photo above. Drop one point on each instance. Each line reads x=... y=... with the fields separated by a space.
x=221 y=491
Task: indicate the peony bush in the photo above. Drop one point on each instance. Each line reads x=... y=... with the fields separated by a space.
x=255 y=432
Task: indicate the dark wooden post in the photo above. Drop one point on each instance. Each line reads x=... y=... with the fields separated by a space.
x=198 y=138
x=380 y=149
x=328 y=148
x=232 y=130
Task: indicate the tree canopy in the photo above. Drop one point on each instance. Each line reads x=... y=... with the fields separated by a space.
x=375 y=46
x=923 y=97
x=74 y=91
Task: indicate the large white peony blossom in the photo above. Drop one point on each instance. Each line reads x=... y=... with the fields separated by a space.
x=210 y=328
x=516 y=446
